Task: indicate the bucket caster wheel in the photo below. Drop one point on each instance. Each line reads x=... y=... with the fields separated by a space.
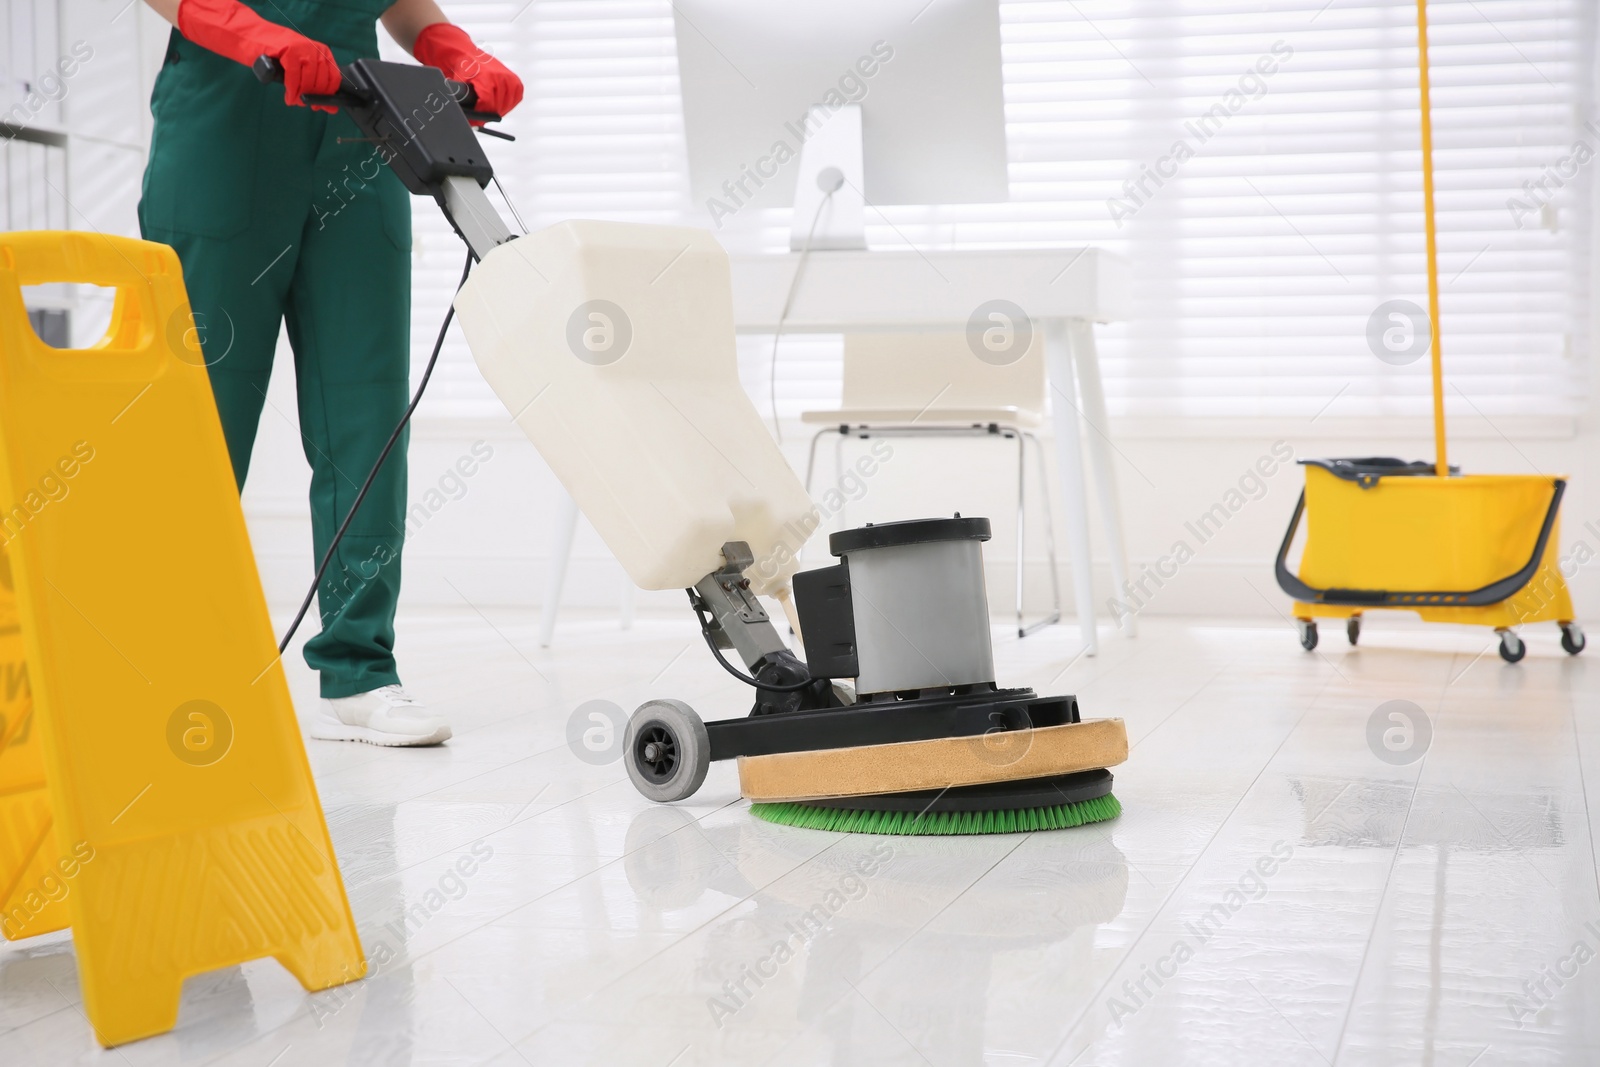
x=1352 y=628
x=667 y=750
x=1308 y=633
x=1572 y=639
x=1511 y=647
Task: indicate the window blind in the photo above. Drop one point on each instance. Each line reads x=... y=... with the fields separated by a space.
x=1258 y=164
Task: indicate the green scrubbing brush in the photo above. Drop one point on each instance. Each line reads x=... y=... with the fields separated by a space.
x=1001 y=808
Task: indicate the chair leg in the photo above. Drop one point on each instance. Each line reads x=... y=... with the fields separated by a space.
x=1099 y=451
x=1048 y=503
x=1069 y=458
x=1022 y=527
x=811 y=466
x=811 y=457
x=838 y=479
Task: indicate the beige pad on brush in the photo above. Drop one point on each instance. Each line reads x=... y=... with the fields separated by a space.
x=946 y=761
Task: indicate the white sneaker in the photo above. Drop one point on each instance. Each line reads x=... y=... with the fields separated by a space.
x=385 y=716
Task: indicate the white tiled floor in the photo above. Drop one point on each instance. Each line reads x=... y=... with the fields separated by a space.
x=1441 y=912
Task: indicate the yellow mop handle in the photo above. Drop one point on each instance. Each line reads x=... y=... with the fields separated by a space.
x=1441 y=463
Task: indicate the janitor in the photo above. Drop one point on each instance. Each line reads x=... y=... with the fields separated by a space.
x=282 y=215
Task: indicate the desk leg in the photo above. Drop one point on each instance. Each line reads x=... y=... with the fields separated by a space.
x=564 y=524
x=1069 y=463
x=1087 y=361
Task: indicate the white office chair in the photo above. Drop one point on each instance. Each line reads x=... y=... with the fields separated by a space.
x=932 y=385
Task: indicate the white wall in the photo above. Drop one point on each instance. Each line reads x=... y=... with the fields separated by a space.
x=491 y=546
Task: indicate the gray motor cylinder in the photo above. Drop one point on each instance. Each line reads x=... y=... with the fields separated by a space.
x=918 y=602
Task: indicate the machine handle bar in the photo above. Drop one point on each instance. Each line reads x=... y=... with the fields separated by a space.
x=269 y=71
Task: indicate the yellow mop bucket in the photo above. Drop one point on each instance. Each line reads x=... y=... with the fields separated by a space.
x=1386 y=534
x=1477 y=549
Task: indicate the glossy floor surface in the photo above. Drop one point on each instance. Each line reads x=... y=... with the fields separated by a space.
x=1305 y=873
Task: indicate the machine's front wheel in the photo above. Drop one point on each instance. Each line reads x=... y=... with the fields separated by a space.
x=1308 y=633
x=667 y=750
x=1572 y=639
x=1352 y=628
x=1511 y=647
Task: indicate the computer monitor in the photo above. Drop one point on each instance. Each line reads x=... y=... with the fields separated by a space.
x=767 y=82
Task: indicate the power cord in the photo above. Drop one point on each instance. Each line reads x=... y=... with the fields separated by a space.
x=507 y=198
x=372 y=475
x=706 y=623
x=829 y=179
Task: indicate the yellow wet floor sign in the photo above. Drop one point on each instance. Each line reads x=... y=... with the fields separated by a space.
x=178 y=793
x=33 y=887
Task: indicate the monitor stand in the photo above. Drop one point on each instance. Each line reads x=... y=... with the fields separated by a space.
x=833 y=143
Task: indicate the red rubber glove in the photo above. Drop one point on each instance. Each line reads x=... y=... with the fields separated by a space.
x=230 y=29
x=446 y=46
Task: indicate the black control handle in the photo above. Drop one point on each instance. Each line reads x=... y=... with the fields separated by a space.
x=269 y=71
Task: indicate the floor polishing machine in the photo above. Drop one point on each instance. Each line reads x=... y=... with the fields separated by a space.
x=612 y=346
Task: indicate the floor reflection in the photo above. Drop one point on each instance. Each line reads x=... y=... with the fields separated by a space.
x=824 y=956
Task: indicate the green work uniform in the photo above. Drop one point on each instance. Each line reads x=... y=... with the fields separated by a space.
x=276 y=221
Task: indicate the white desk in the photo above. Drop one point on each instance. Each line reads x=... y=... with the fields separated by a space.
x=1065 y=290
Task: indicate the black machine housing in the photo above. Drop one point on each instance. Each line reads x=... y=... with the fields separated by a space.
x=423 y=128
x=814 y=718
x=401 y=110
x=420 y=120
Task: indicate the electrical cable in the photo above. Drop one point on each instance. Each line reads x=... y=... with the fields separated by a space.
x=705 y=631
x=507 y=198
x=788 y=302
x=372 y=475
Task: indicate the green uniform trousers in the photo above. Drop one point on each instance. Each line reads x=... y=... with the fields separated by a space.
x=275 y=221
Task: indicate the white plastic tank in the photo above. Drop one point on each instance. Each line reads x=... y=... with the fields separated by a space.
x=612 y=346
